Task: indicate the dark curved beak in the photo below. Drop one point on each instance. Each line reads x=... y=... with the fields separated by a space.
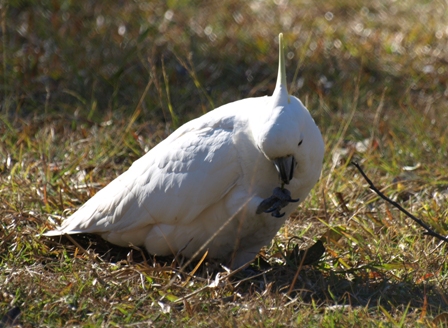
x=285 y=167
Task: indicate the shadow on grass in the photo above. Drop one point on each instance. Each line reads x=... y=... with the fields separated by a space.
x=315 y=284
x=365 y=288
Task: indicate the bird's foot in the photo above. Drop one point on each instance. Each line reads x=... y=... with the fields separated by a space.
x=280 y=198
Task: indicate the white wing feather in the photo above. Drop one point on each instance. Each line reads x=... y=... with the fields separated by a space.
x=173 y=183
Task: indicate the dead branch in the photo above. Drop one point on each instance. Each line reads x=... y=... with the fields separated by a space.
x=428 y=229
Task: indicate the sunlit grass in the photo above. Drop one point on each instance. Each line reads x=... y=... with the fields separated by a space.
x=86 y=94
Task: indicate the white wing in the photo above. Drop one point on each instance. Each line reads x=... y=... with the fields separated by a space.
x=172 y=184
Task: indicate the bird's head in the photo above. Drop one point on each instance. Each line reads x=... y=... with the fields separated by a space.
x=286 y=133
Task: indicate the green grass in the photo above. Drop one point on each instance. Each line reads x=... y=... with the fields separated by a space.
x=86 y=89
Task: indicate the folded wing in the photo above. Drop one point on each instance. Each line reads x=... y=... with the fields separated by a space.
x=172 y=184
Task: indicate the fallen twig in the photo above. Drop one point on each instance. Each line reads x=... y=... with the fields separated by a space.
x=428 y=229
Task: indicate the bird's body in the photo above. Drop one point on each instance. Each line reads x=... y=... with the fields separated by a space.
x=202 y=187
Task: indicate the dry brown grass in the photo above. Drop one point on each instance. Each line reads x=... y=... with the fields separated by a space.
x=81 y=102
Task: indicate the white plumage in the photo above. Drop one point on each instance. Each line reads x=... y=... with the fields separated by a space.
x=218 y=178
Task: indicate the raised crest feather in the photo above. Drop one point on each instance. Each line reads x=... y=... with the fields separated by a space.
x=281 y=88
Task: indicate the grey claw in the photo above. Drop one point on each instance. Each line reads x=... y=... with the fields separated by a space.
x=278 y=215
x=284 y=194
x=281 y=193
x=272 y=209
x=273 y=204
x=266 y=204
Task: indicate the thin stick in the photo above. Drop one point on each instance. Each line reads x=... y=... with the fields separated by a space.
x=428 y=229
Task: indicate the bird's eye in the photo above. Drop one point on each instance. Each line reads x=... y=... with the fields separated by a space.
x=300 y=142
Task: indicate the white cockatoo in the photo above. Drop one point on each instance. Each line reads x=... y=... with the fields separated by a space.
x=222 y=183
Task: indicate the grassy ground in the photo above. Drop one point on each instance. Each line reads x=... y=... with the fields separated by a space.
x=86 y=89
